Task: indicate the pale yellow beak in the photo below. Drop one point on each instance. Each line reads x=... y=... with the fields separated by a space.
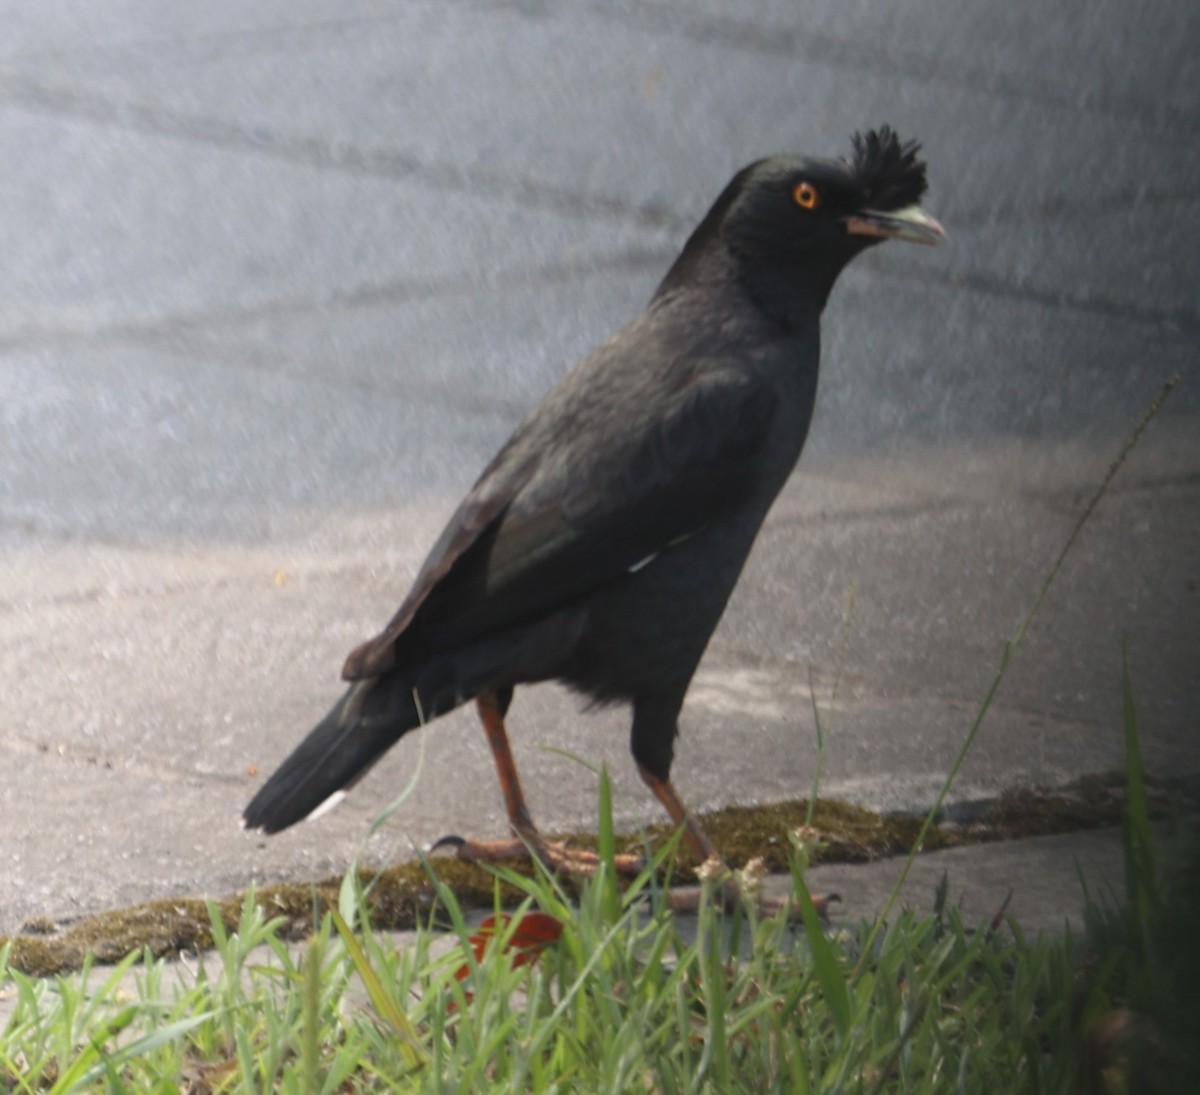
x=911 y=223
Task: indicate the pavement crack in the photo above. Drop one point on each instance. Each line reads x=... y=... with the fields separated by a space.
x=159 y=591
x=1176 y=321
x=883 y=512
x=380 y=294
x=1167 y=121
x=317 y=152
x=1079 y=206
x=95 y=758
x=246 y=34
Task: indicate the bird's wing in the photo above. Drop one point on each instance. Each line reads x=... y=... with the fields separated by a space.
x=536 y=534
x=492 y=494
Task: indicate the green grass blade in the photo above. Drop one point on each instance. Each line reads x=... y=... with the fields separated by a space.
x=409 y=787
x=819 y=724
x=567 y=754
x=1141 y=878
x=1010 y=649
x=384 y=1002
x=139 y=1047
x=830 y=975
x=310 y=1024
x=610 y=897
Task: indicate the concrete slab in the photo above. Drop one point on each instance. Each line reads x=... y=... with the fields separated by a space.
x=277 y=282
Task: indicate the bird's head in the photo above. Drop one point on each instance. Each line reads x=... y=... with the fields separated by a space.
x=791 y=224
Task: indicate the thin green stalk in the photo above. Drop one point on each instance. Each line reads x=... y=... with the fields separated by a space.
x=1010 y=649
x=840 y=665
x=409 y=787
x=385 y=1002
x=1141 y=871
x=310 y=1027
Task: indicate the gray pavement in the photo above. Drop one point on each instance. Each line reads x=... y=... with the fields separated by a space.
x=276 y=279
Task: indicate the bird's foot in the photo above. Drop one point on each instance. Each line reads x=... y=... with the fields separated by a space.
x=553 y=855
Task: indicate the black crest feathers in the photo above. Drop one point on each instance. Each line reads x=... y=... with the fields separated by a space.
x=887 y=172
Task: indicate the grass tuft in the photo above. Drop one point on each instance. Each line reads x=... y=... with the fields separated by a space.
x=617 y=998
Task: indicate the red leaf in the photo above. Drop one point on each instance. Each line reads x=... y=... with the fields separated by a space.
x=532 y=935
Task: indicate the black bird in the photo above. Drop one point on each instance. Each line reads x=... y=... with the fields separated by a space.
x=600 y=545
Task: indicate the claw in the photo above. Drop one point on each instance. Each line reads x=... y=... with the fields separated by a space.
x=532 y=845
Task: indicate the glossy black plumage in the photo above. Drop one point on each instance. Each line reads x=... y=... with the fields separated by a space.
x=600 y=545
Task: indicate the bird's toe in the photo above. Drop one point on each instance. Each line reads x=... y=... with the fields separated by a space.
x=532 y=845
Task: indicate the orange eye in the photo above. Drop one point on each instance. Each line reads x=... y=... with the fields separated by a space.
x=806 y=196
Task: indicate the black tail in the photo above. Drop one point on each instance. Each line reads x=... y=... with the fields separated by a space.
x=367 y=721
x=377 y=711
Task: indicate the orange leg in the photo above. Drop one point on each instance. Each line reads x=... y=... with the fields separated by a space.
x=706 y=851
x=529 y=840
x=664 y=791
x=506 y=767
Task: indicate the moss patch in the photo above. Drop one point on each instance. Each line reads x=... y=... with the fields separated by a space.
x=401 y=897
